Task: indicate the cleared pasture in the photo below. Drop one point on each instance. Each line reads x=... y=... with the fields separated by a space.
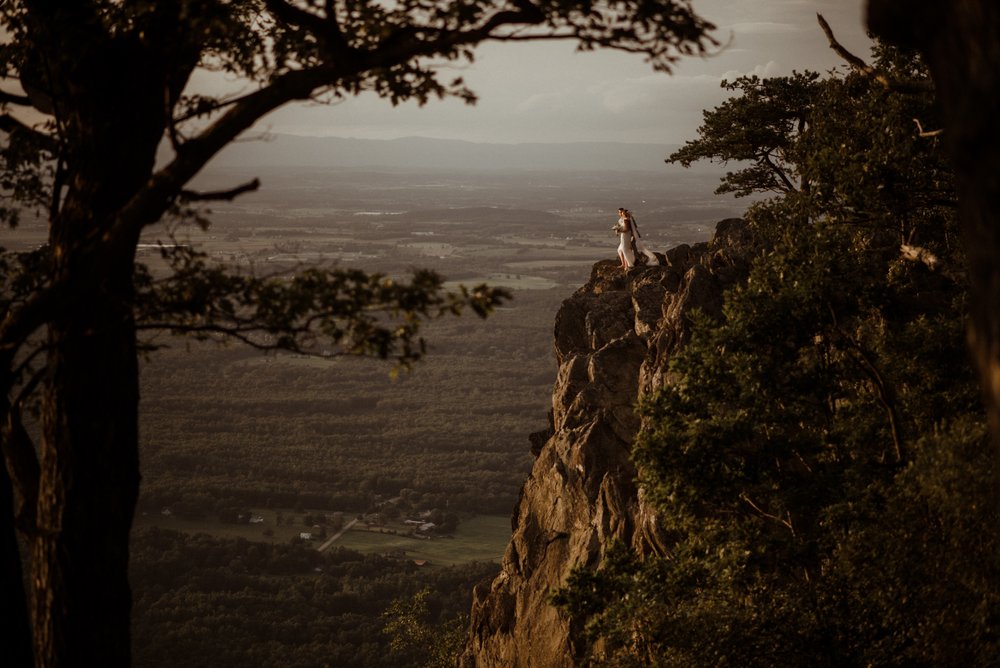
x=479 y=538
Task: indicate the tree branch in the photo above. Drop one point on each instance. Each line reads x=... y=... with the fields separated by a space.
x=852 y=60
x=926 y=133
x=13 y=98
x=790 y=187
x=21 y=459
x=907 y=87
x=885 y=393
x=787 y=523
x=19 y=324
x=327 y=29
x=149 y=204
x=205 y=111
x=228 y=195
x=10 y=125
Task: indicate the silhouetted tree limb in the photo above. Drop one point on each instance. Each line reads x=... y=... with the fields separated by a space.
x=228 y=195
x=864 y=68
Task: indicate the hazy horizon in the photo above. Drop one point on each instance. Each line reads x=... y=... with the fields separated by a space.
x=429 y=153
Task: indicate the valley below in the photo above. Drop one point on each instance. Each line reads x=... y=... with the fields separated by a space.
x=251 y=461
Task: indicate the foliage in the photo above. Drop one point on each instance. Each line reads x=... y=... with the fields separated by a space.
x=406 y=623
x=93 y=92
x=821 y=459
x=760 y=126
x=349 y=310
x=206 y=601
x=845 y=143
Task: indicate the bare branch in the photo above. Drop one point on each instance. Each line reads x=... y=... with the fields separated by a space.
x=908 y=87
x=19 y=324
x=790 y=187
x=852 y=60
x=787 y=523
x=926 y=133
x=228 y=195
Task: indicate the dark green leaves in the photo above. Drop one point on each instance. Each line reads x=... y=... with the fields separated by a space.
x=760 y=127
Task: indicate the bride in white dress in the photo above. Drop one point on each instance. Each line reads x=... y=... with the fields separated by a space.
x=624 y=231
x=631 y=241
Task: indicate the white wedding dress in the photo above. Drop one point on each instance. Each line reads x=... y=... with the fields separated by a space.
x=625 y=244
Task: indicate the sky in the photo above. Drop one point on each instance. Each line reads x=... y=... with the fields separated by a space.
x=548 y=92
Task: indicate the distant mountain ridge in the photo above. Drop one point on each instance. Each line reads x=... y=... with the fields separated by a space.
x=421 y=152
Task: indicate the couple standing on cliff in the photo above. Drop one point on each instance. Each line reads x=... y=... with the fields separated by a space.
x=631 y=244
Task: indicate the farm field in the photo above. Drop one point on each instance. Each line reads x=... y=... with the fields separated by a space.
x=479 y=538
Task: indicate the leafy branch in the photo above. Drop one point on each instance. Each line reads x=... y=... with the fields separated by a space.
x=316 y=311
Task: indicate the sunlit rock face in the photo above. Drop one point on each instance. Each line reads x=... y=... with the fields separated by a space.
x=613 y=342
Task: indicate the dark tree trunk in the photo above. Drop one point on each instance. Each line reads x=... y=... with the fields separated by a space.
x=89 y=479
x=89 y=475
x=960 y=41
x=15 y=632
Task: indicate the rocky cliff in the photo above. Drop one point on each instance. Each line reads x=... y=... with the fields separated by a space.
x=613 y=341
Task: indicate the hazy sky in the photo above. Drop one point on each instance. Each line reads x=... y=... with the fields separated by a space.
x=548 y=92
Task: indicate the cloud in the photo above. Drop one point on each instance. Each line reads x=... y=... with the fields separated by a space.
x=771 y=69
x=552 y=101
x=765 y=27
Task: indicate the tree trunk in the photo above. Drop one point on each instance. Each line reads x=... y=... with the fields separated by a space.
x=89 y=479
x=15 y=633
x=112 y=118
x=88 y=487
x=89 y=471
x=960 y=41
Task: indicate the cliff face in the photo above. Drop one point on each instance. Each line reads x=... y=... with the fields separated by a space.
x=613 y=340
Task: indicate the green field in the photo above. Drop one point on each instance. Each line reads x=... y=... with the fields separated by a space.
x=479 y=538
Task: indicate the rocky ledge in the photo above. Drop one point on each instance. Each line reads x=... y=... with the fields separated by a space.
x=613 y=341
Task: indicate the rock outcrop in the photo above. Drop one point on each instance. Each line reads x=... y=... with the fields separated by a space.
x=613 y=341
